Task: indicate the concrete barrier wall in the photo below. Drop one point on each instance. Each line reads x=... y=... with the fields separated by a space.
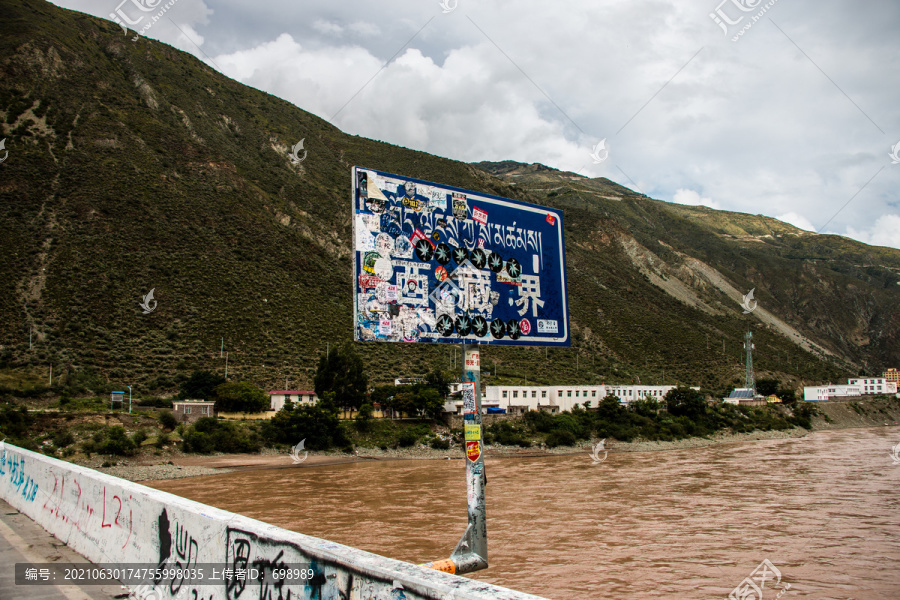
x=111 y=520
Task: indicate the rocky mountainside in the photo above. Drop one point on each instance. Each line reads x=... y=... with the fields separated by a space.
x=134 y=167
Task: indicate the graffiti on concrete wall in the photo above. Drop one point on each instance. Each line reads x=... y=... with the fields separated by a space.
x=327 y=580
x=178 y=555
x=12 y=466
x=92 y=511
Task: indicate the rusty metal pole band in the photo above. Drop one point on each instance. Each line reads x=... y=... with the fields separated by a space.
x=470 y=553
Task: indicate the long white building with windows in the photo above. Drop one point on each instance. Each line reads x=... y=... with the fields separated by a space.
x=857 y=386
x=556 y=398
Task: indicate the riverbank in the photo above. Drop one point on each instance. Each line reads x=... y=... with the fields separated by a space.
x=193 y=465
x=176 y=465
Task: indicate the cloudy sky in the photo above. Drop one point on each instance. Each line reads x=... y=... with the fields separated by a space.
x=787 y=108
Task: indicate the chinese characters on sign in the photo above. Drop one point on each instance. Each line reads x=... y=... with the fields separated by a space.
x=433 y=263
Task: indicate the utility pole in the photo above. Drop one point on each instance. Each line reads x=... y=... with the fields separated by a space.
x=129 y=399
x=50 y=383
x=226 y=366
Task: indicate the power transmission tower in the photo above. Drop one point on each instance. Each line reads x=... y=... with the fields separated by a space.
x=749 y=381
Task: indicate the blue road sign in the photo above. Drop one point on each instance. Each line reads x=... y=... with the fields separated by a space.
x=434 y=263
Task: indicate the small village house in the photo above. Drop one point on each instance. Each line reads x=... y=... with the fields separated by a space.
x=188 y=411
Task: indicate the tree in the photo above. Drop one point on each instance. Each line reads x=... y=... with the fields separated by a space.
x=766 y=387
x=200 y=385
x=341 y=372
x=317 y=424
x=439 y=380
x=382 y=393
x=683 y=401
x=404 y=401
x=787 y=395
x=364 y=418
x=241 y=396
x=647 y=406
x=610 y=409
x=430 y=401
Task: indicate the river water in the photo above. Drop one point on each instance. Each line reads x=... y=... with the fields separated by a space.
x=691 y=524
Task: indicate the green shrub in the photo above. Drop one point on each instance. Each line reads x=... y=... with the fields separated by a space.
x=539 y=421
x=116 y=442
x=407 y=438
x=167 y=420
x=208 y=434
x=61 y=439
x=198 y=441
x=561 y=437
x=439 y=444
x=138 y=437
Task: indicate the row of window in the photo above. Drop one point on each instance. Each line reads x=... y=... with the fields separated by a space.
x=515 y=393
x=637 y=393
x=559 y=393
x=584 y=393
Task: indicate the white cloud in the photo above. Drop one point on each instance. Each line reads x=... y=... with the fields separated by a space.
x=885 y=232
x=797 y=220
x=683 y=196
x=327 y=27
x=755 y=125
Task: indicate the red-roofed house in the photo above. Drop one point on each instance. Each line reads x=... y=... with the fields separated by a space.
x=278 y=398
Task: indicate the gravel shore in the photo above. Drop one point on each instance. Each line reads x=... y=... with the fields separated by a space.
x=156 y=472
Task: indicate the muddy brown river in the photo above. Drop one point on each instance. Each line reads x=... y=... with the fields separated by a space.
x=694 y=524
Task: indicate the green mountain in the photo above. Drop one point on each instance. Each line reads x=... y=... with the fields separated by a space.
x=134 y=167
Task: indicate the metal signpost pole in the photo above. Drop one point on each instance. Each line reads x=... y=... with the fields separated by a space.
x=470 y=553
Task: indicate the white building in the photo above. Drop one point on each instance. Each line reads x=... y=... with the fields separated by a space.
x=628 y=393
x=856 y=386
x=824 y=392
x=874 y=385
x=555 y=398
x=277 y=398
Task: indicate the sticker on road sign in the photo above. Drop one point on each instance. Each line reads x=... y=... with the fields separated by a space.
x=473 y=450
x=479 y=215
x=384 y=327
x=472 y=432
x=525 y=326
x=459 y=207
x=547 y=326
x=551 y=219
